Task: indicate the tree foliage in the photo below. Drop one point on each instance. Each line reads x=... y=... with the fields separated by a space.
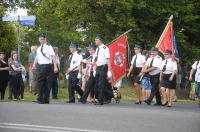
x=81 y=20
x=8 y=35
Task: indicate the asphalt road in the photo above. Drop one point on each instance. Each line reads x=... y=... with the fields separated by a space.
x=122 y=117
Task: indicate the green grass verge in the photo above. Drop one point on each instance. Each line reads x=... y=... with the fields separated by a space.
x=127 y=92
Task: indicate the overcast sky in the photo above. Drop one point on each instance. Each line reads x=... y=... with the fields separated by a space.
x=21 y=12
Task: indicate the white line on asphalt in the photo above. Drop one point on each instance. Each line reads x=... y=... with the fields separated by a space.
x=43 y=128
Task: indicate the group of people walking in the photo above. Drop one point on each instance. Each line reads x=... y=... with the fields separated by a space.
x=89 y=74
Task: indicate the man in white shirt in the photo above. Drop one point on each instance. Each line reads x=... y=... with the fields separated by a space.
x=45 y=56
x=74 y=72
x=152 y=67
x=103 y=72
x=196 y=67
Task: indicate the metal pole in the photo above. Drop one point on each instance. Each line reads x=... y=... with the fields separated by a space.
x=120 y=36
x=18 y=38
x=163 y=33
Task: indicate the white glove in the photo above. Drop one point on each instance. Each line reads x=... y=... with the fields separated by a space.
x=109 y=74
x=79 y=76
x=67 y=76
x=94 y=73
x=84 y=60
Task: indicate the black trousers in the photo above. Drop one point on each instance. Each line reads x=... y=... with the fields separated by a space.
x=102 y=84
x=89 y=87
x=73 y=86
x=155 y=88
x=10 y=92
x=42 y=83
x=53 y=84
x=18 y=86
x=3 y=85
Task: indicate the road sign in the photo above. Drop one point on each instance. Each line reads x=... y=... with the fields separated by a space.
x=27 y=22
x=28 y=18
x=9 y=18
x=23 y=20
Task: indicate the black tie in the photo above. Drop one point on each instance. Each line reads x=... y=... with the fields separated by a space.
x=69 y=61
x=164 y=68
x=97 y=55
x=151 y=63
x=135 y=61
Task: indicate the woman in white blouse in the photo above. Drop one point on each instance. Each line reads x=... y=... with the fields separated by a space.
x=168 y=78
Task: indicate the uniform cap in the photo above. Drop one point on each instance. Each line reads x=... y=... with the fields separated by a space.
x=168 y=52
x=138 y=47
x=100 y=38
x=92 y=47
x=73 y=45
x=154 y=49
x=43 y=35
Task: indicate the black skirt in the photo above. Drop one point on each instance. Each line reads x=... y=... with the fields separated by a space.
x=136 y=72
x=168 y=84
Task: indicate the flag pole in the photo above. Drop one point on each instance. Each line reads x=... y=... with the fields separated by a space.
x=162 y=35
x=120 y=36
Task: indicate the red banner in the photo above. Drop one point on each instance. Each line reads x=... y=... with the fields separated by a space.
x=118 y=58
x=166 y=40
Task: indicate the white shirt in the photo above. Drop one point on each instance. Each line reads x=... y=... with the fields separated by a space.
x=139 y=61
x=48 y=52
x=91 y=66
x=170 y=66
x=75 y=62
x=197 y=67
x=157 y=61
x=103 y=55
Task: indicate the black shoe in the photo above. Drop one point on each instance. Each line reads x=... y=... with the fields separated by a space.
x=98 y=104
x=45 y=102
x=108 y=101
x=82 y=101
x=165 y=104
x=147 y=102
x=158 y=104
x=69 y=101
x=138 y=102
x=10 y=98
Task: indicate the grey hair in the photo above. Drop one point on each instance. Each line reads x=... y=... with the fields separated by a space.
x=55 y=48
x=32 y=47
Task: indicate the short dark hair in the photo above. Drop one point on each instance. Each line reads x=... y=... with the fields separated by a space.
x=1 y=53
x=88 y=43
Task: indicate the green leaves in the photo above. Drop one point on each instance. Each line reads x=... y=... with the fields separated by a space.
x=81 y=20
x=8 y=35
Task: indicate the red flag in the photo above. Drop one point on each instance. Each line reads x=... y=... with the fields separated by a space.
x=118 y=58
x=165 y=41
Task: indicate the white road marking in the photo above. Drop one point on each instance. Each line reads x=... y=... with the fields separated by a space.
x=43 y=128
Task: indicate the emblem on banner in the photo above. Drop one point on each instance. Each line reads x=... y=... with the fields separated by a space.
x=119 y=59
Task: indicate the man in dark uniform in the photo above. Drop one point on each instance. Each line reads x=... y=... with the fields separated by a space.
x=153 y=68
x=45 y=56
x=103 y=72
x=74 y=72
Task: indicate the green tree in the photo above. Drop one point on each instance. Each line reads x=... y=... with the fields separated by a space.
x=8 y=35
